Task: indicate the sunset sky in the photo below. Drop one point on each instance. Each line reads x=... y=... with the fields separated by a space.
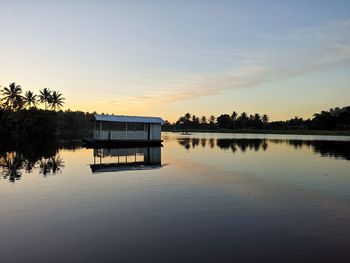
x=166 y=58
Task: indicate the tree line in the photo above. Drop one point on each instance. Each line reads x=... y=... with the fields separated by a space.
x=25 y=115
x=224 y=121
x=13 y=98
x=334 y=119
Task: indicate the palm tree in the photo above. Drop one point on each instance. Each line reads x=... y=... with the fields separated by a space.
x=195 y=121
x=265 y=120
x=204 y=120
x=243 y=118
x=56 y=100
x=257 y=117
x=257 y=120
x=45 y=96
x=234 y=116
x=187 y=120
x=212 y=119
x=188 y=116
x=30 y=99
x=12 y=96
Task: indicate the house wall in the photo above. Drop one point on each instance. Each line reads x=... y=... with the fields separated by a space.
x=120 y=135
x=107 y=131
x=155 y=131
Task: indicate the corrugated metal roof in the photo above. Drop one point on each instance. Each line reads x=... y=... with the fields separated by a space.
x=122 y=118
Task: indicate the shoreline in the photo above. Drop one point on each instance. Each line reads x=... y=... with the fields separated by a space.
x=248 y=131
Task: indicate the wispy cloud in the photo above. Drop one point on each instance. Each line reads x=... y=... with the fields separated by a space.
x=299 y=51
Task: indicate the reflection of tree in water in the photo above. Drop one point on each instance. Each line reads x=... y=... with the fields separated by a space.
x=14 y=159
x=242 y=144
x=225 y=144
x=51 y=165
x=203 y=142
x=29 y=166
x=336 y=149
x=195 y=142
x=212 y=143
x=185 y=143
x=11 y=163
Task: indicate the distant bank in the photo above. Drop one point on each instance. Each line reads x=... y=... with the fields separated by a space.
x=301 y=132
x=25 y=115
x=335 y=121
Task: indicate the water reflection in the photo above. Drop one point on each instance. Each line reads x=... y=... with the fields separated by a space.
x=122 y=159
x=276 y=198
x=24 y=157
x=335 y=149
x=225 y=144
x=51 y=165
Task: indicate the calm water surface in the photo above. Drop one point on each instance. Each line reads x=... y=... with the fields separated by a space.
x=199 y=198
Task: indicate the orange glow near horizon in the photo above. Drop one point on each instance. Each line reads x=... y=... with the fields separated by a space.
x=171 y=116
x=118 y=64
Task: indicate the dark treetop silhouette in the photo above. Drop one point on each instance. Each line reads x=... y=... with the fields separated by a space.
x=21 y=116
x=334 y=119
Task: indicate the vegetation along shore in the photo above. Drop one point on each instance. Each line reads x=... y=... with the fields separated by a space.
x=333 y=122
x=24 y=114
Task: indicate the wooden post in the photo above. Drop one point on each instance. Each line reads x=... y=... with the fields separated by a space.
x=94 y=129
x=150 y=131
x=101 y=130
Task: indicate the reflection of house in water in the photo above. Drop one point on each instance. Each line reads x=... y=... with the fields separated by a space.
x=123 y=159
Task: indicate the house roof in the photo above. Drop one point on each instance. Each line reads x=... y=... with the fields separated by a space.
x=133 y=119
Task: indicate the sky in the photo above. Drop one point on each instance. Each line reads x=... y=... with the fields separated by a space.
x=166 y=58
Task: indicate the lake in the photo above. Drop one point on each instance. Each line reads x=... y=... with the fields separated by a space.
x=199 y=198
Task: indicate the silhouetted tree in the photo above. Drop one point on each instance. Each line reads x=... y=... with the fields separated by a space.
x=56 y=100
x=188 y=116
x=45 y=97
x=234 y=116
x=12 y=97
x=204 y=120
x=195 y=121
x=265 y=120
x=30 y=99
x=257 y=121
x=212 y=121
x=243 y=119
x=224 y=121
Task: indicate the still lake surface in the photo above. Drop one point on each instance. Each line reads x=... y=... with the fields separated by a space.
x=199 y=198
